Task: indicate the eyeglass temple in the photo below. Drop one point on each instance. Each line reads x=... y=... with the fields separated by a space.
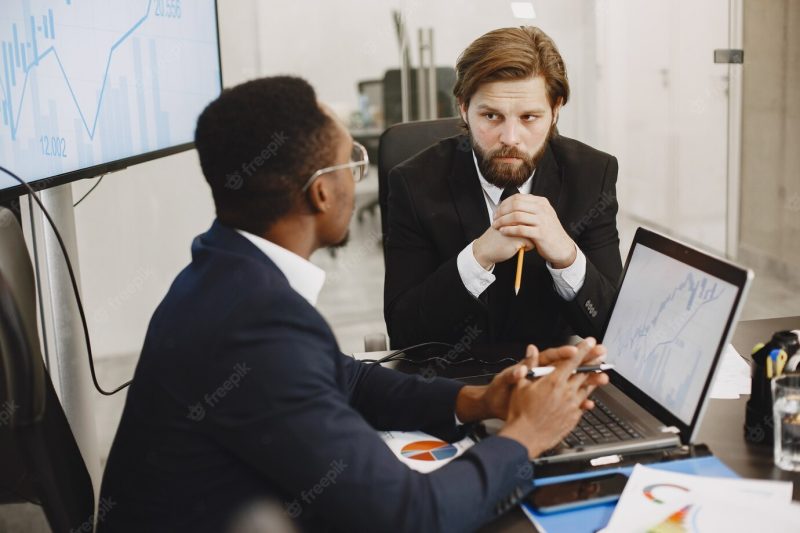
x=362 y=151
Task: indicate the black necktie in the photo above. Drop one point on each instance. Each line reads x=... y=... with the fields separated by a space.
x=508 y=191
x=501 y=292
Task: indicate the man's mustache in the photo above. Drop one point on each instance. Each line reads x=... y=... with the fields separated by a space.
x=507 y=151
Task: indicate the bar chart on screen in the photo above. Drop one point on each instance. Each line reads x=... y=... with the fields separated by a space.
x=85 y=82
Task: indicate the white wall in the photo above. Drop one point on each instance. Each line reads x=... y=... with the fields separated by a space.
x=335 y=44
x=135 y=230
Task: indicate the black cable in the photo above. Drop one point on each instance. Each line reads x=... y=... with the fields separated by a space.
x=89 y=191
x=389 y=357
x=72 y=279
x=457 y=362
x=451 y=362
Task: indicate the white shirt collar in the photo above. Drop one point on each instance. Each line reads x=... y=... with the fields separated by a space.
x=304 y=277
x=493 y=192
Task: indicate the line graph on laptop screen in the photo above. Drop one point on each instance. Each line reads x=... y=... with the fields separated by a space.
x=665 y=328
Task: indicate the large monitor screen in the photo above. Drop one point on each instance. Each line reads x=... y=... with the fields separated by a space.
x=90 y=86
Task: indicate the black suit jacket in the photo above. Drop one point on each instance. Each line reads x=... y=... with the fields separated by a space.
x=436 y=207
x=241 y=393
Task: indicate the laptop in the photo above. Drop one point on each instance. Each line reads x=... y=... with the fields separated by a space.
x=673 y=315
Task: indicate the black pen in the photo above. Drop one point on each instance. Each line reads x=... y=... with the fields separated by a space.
x=541 y=371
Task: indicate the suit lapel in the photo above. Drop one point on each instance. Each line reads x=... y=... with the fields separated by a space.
x=547 y=179
x=467 y=193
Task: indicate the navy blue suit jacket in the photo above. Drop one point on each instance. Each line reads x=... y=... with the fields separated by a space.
x=241 y=394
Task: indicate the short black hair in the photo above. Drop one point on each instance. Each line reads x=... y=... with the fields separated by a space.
x=258 y=144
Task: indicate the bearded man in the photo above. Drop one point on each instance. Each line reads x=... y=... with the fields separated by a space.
x=459 y=212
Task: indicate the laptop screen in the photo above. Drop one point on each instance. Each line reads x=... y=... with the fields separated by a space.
x=666 y=327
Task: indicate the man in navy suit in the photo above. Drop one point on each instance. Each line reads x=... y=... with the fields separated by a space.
x=241 y=394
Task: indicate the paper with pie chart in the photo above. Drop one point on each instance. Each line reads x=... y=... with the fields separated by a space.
x=422 y=452
x=660 y=501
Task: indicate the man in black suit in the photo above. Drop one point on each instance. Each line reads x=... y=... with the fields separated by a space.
x=459 y=211
x=241 y=394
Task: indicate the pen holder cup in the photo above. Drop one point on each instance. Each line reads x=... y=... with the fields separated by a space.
x=759 y=426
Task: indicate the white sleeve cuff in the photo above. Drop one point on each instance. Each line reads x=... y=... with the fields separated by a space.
x=568 y=281
x=475 y=278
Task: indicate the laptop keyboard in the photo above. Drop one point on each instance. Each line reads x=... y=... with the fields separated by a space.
x=600 y=426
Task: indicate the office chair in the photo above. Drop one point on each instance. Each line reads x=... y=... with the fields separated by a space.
x=401 y=142
x=398 y=143
x=39 y=458
x=389 y=91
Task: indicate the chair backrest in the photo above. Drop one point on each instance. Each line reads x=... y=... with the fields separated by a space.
x=401 y=142
x=40 y=460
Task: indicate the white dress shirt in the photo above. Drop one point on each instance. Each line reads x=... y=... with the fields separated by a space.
x=304 y=276
x=566 y=281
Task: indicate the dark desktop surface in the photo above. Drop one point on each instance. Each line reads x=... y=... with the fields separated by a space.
x=723 y=426
x=722 y=429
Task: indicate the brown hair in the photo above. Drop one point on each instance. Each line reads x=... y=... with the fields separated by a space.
x=511 y=54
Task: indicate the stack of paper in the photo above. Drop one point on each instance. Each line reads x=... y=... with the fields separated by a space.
x=732 y=377
x=656 y=501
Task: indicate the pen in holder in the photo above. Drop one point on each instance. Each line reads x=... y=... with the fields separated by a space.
x=769 y=361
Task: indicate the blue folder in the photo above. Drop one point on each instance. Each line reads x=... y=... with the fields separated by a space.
x=590 y=519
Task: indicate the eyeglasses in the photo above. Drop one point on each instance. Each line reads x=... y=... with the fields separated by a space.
x=359 y=163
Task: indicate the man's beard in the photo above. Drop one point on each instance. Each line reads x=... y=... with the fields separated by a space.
x=346 y=239
x=342 y=243
x=507 y=174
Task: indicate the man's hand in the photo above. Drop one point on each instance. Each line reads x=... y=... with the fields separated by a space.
x=493 y=247
x=543 y=411
x=525 y=216
x=475 y=403
x=594 y=353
